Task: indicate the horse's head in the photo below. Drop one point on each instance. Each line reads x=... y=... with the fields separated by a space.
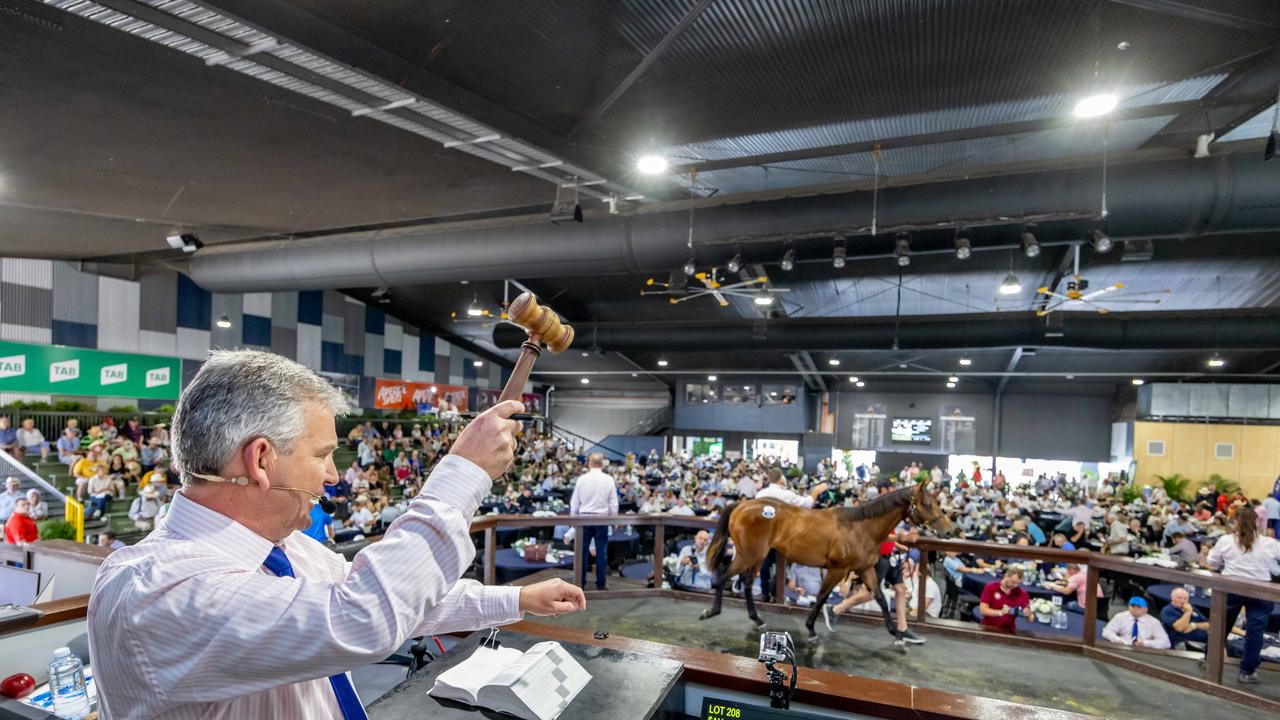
x=926 y=510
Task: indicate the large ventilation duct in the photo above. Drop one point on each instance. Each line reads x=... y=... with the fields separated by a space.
x=1181 y=197
x=1154 y=331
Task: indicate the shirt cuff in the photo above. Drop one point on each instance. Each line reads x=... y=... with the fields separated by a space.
x=458 y=482
x=501 y=604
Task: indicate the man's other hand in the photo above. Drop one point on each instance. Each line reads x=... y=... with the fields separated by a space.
x=552 y=597
x=489 y=440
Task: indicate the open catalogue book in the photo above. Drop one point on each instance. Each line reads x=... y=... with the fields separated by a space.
x=537 y=684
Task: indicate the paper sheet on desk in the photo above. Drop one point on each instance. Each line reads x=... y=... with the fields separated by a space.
x=42 y=699
x=537 y=684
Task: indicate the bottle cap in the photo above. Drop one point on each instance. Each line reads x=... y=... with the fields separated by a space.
x=62 y=652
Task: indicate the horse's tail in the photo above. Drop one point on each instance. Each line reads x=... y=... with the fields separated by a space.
x=720 y=543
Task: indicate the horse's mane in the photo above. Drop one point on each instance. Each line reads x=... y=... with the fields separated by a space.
x=882 y=505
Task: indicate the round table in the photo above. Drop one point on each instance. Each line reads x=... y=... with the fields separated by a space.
x=511 y=565
x=975 y=582
x=1073 y=631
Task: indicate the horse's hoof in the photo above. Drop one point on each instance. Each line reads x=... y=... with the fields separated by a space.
x=761 y=625
x=706 y=614
x=815 y=639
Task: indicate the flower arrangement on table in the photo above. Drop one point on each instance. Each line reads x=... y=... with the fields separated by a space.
x=1043 y=609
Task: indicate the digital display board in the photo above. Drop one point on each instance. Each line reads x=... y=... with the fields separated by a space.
x=720 y=709
x=912 y=430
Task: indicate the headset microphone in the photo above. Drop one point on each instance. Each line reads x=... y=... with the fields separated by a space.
x=326 y=503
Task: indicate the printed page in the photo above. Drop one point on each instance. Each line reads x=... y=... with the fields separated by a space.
x=463 y=681
x=545 y=681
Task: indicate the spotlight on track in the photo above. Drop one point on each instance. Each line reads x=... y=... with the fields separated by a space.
x=965 y=360
x=763 y=300
x=853 y=378
x=1100 y=242
x=789 y=260
x=902 y=249
x=1030 y=246
x=690 y=267
x=1216 y=361
x=964 y=246
x=1138 y=381
x=185 y=242
x=224 y=322
x=662 y=362
x=838 y=256
x=735 y=263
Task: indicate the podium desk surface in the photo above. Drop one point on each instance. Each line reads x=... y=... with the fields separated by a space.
x=623 y=684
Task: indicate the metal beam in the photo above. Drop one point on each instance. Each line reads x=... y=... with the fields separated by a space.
x=1192 y=12
x=976 y=133
x=649 y=59
x=1013 y=363
x=1257 y=78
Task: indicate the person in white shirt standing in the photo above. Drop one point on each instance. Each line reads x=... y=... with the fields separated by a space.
x=777 y=490
x=246 y=616
x=595 y=494
x=1135 y=628
x=1246 y=554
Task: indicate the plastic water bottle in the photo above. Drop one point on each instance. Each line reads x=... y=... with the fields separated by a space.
x=66 y=684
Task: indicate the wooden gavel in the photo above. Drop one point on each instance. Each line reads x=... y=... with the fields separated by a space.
x=543 y=326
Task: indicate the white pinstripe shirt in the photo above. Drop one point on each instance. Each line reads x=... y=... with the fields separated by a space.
x=187 y=623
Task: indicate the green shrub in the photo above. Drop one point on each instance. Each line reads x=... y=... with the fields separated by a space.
x=1221 y=485
x=1176 y=487
x=56 y=530
x=165 y=409
x=1129 y=493
x=123 y=409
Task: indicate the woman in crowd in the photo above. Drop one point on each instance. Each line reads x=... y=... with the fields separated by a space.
x=1246 y=554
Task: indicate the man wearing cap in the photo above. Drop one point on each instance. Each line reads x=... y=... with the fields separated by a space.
x=145 y=507
x=37 y=509
x=9 y=498
x=1135 y=628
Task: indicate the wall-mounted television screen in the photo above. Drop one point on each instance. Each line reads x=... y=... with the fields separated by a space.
x=912 y=430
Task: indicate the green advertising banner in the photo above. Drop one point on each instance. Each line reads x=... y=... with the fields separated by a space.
x=61 y=370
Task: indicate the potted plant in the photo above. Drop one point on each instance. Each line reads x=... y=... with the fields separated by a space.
x=1043 y=609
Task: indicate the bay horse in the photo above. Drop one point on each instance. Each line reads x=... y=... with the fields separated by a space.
x=839 y=539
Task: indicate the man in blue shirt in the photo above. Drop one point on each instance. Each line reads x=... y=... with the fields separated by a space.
x=321 y=527
x=1182 y=621
x=1022 y=524
x=9 y=437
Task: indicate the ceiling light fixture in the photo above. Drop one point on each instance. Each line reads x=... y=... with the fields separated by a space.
x=662 y=362
x=651 y=164
x=838 y=256
x=224 y=322
x=764 y=300
x=964 y=246
x=735 y=263
x=1100 y=242
x=690 y=267
x=965 y=360
x=860 y=384
x=477 y=363
x=1096 y=105
x=585 y=381
x=833 y=362
x=1010 y=285
x=1216 y=361
x=1030 y=246
x=712 y=378
x=902 y=249
x=953 y=379
x=1138 y=381
x=951 y=384
x=185 y=242
x=853 y=378
x=789 y=260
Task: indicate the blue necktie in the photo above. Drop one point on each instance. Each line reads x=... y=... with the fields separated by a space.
x=1135 y=628
x=278 y=563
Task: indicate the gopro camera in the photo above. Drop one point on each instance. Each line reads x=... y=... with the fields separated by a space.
x=775 y=646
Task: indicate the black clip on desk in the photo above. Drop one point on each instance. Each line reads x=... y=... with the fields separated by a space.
x=623 y=684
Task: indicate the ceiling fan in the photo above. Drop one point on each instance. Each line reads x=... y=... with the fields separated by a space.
x=1078 y=296
x=713 y=284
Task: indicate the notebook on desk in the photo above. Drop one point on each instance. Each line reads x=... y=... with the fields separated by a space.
x=537 y=684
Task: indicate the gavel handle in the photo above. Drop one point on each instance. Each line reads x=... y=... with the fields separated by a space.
x=530 y=350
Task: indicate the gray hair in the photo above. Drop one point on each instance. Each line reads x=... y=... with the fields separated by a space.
x=239 y=395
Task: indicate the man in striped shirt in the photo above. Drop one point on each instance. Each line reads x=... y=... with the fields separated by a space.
x=247 y=617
